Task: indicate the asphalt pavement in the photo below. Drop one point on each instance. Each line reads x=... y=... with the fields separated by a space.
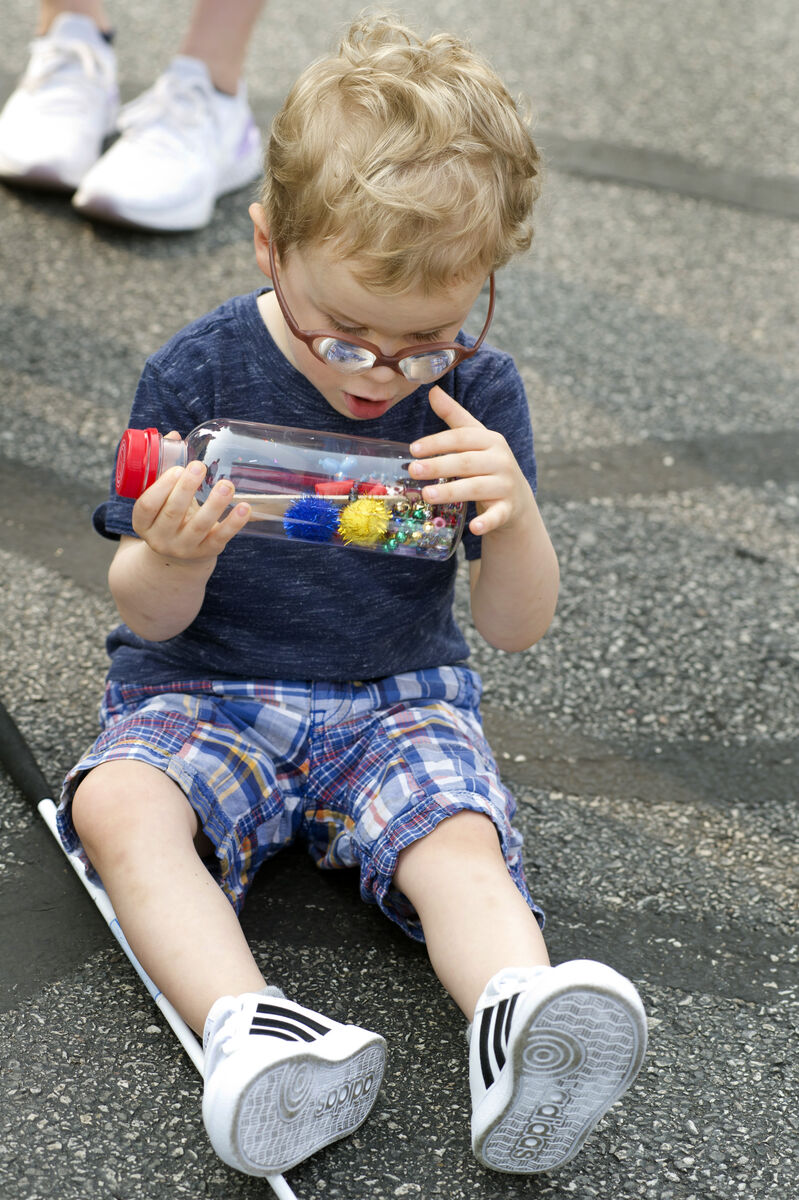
x=651 y=738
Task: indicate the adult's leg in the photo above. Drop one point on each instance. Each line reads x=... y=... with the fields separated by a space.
x=50 y=9
x=191 y=139
x=219 y=34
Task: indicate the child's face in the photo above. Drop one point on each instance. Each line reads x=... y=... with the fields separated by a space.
x=322 y=293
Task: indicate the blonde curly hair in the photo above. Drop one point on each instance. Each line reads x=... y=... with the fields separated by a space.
x=410 y=157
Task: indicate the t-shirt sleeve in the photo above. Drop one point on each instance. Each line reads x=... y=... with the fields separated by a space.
x=156 y=405
x=500 y=402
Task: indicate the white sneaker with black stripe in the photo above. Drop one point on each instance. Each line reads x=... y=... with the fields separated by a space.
x=551 y=1049
x=282 y=1081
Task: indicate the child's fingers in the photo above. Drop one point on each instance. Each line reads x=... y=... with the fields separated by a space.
x=175 y=488
x=185 y=529
x=480 y=454
x=213 y=508
x=446 y=407
x=463 y=440
x=209 y=526
x=226 y=529
x=482 y=489
x=177 y=505
x=461 y=464
x=204 y=540
x=458 y=419
x=492 y=517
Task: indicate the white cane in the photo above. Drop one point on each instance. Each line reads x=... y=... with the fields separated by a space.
x=17 y=757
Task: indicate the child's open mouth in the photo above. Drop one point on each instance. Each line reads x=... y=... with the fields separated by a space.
x=363 y=408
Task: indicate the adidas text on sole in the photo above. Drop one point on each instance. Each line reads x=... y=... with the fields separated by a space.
x=289 y=1097
x=574 y=1042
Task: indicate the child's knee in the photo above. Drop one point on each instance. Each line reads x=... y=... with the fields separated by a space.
x=466 y=836
x=97 y=809
x=119 y=803
x=464 y=832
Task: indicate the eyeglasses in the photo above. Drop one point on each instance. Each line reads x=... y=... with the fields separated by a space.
x=352 y=355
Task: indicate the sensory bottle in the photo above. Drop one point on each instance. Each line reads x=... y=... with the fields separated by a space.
x=304 y=485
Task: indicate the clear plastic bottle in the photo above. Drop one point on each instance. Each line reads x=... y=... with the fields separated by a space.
x=304 y=485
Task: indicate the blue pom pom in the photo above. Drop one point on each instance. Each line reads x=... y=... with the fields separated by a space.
x=312 y=518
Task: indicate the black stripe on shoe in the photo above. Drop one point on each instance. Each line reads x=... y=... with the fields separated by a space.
x=301 y=1025
x=272 y=1025
x=494 y=1031
x=484 y=1032
x=284 y=1037
x=509 y=1017
x=499 y=1022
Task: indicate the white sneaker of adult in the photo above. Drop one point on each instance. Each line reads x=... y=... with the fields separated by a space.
x=182 y=145
x=550 y=1052
x=282 y=1081
x=53 y=125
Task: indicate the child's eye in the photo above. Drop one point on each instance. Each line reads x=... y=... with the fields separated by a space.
x=433 y=335
x=346 y=328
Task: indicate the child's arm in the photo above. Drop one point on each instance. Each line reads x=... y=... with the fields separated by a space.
x=514 y=587
x=158 y=579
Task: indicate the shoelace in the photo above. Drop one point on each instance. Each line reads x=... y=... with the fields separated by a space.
x=51 y=57
x=167 y=112
x=225 y=1036
x=510 y=982
x=221 y=1041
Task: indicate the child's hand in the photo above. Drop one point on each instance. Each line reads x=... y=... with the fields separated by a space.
x=479 y=463
x=168 y=518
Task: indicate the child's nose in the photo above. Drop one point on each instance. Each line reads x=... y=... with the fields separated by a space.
x=380 y=374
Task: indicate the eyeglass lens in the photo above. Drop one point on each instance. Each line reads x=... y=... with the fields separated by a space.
x=351 y=358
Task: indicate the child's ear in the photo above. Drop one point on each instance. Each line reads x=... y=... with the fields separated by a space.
x=261 y=238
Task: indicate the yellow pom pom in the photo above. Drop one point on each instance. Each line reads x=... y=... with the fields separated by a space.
x=364 y=522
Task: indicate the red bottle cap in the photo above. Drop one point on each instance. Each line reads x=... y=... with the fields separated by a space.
x=137 y=461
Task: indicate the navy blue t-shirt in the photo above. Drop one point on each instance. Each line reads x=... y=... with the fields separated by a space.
x=280 y=610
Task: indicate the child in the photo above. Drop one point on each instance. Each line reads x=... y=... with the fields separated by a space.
x=262 y=691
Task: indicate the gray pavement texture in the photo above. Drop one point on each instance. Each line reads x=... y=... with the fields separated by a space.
x=652 y=737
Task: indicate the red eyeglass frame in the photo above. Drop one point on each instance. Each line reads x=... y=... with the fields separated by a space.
x=381 y=360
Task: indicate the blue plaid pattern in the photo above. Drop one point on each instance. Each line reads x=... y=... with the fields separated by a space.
x=358 y=771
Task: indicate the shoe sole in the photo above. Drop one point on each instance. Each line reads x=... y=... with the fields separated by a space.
x=297 y=1106
x=46 y=177
x=40 y=179
x=572 y=1056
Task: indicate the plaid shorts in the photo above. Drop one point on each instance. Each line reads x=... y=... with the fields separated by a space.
x=358 y=771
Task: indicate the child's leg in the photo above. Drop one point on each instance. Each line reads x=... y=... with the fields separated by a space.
x=475 y=920
x=138 y=829
x=550 y=1048
x=281 y=1081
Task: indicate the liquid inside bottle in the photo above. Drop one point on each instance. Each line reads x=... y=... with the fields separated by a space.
x=304 y=485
